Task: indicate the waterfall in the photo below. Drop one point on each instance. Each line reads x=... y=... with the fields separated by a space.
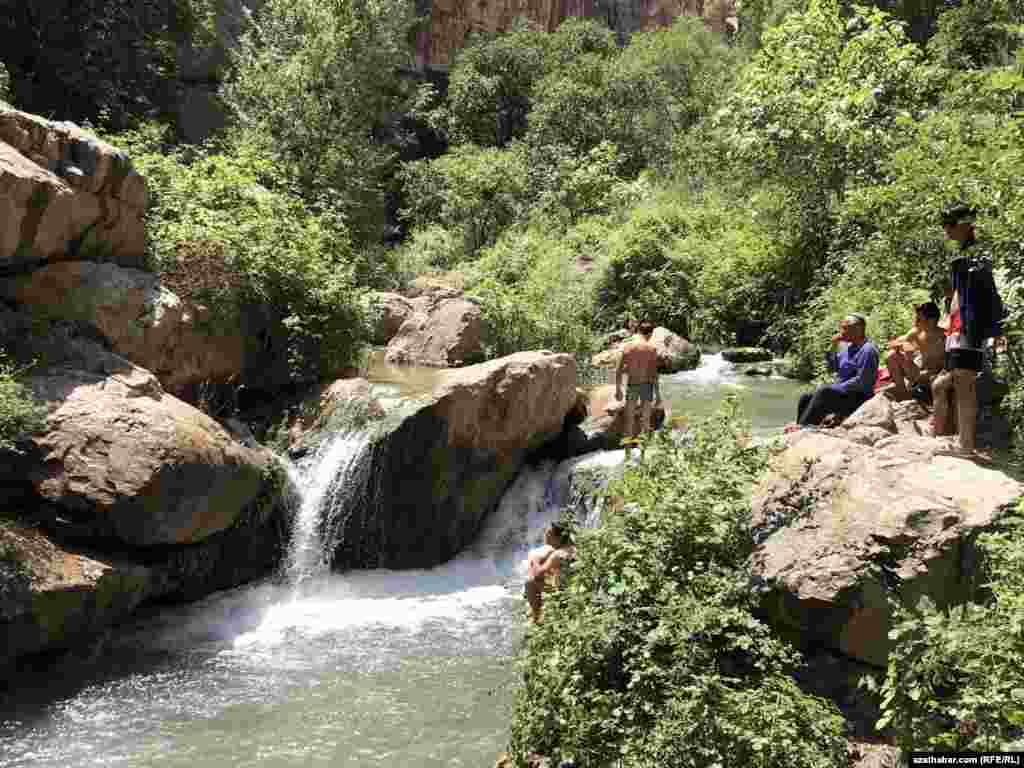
x=316 y=490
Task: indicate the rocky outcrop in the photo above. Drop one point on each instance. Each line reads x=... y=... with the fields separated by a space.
x=674 y=352
x=55 y=593
x=140 y=318
x=451 y=20
x=852 y=517
x=202 y=62
x=387 y=313
x=438 y=465
x=128 y=495
x=120 y=456
x=66 y=194
x=444 y=330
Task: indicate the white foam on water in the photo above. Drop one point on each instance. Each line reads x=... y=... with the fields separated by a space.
x=711 y=371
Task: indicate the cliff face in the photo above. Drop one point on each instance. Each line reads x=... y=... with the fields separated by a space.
x=451 y=21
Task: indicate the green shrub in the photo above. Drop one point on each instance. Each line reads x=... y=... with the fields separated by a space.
x=955 y=679
x=223 y=232
x=473 y=192
x=534 y=295
x=20 y=414
x=651 y=655
x=642 y=275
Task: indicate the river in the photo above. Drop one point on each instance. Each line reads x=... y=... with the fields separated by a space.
x=369 y=668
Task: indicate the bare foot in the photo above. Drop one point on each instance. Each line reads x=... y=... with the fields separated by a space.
x=982 y=457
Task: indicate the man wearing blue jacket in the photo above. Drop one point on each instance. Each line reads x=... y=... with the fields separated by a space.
x=856 y=368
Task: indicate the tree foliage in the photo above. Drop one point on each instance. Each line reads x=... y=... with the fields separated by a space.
x=312 y=82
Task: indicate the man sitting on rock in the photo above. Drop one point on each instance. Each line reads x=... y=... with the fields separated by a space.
x=544 y=568
x=856 y=367
x=639 y=362
x=918 y=356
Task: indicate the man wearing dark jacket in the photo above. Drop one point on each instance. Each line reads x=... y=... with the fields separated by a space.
x=975 y=314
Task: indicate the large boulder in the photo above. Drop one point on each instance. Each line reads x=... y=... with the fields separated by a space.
x=674 y=352
x=387 y=313
x=66 y=194
x=438 y=465
x=55 y=593
x=447 y=334
x=131 y=462
x=850 y=518
x=141 y=319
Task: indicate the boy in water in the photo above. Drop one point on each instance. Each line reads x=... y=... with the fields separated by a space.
x=543 y=567
x=919 y=355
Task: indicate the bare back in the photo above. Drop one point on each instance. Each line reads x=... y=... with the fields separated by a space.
x=640 y=361
x=931 y=343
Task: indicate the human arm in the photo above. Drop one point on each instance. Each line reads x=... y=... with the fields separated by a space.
x=618 y=375
x=897 y=342
x=552 y=561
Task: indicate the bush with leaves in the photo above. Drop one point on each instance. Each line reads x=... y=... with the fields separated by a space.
x=473 y=192
x=642 y=276
x=224 y=231
x=955 y=679
x=20 y=414
x=651 y=655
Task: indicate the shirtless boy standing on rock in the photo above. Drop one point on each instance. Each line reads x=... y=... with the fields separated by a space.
x=918 y=356
x=639 y=362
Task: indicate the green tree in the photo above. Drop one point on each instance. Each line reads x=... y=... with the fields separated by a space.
x=312 y=81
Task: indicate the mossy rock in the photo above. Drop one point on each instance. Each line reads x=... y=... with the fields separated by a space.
x=746 y=355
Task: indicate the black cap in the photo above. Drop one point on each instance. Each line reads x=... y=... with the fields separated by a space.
x=956 y=213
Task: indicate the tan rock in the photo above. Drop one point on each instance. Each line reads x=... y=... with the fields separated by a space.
x=845 y=526
x=434 y=471
x=141 y=319
x=449 y=334
x=387 y=312
x=452 y=20
x=674 y=352
x=145 y=466
x=64 y=192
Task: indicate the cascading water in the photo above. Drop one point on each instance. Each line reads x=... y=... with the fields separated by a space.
x=316 y=490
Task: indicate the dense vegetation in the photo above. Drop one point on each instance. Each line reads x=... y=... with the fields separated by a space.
x=776 y=180
x=651 y=655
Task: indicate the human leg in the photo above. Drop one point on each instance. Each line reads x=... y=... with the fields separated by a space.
x=805 y=400
x=899 y=364
x=627 y=423
x=942 y=390
x=965 y=387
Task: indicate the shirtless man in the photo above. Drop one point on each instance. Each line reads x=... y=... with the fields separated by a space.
x=544 y=566
x=927 y=340
x=639 y=362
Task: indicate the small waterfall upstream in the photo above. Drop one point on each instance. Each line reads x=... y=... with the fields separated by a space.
x=315 y=492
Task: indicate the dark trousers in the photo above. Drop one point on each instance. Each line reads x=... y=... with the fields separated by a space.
x=815 y=406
